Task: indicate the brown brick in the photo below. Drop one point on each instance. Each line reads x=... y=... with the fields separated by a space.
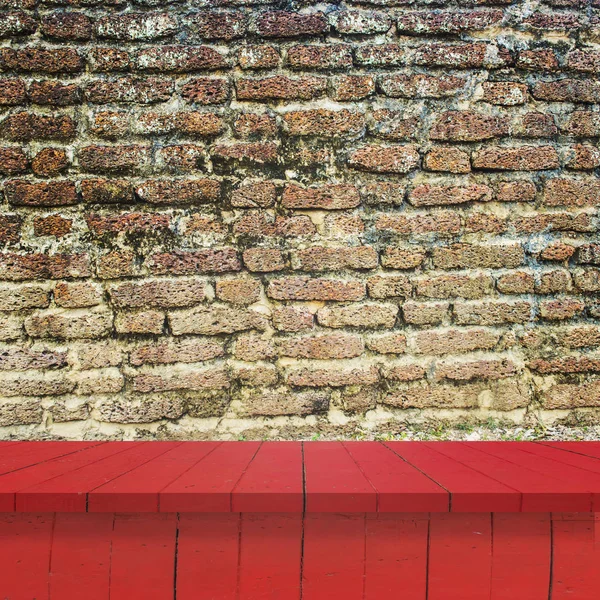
x=146 y=90
x=207 y=260
x=247 y=152
x=454 y=286
x=447 y=159
x=78 y=294
x=393 y=125
x=453 y=341
x=16 y=24
x=20 y=358
x=479 y=369
x=421 y=86
x=537 y=60
x=218 y=25
x=535 y=125
x=330 y=197
x=199 y=379
x=263 y=260
x=504 y=93
x=492 y=312
x=324 y=123
x=588 y=280
x=238 y=291
x=22 y=297
x=467 y=126
x=53 y=193
x=132 y=27
x=25 y=127
x=305 y=288
x=558 y=310
x=190 y=350
x=261 y=194
x=387 y=343
x=109 y=59
x=583 y=157
x=13 y=161
x=346 y=88
x=113 y=159
x=389 y=286
x=524 y=158
x=258 y=57
x=252 y=347
x=52 y=93
x=126 y=222
x=320 y=258
x=206 y=90
x=460 y=56
x=12 y=92
x=432 y=195
x=215 y=320
x=292 y=318
x=568 y=396
x=328 y=346
x=472 y=256
x=360 y=22
x=143 y=322
x=552 y=21
x=119 y=263
x=67 y=26
x=385 y=159
x=403 y=372
x=569 y=364
x=64 y=324
x=158 y=293
x=264 y=225
x=50 y=162
x=254 y=126
x=582 y=123
x=380 y=55
x=358 y=315
x=41 y=60
x=290 y=24
x=10 y=229
x=441 y=222
x=449 y=22
x=106 y=191
x=54 y=225
x=571 y=192
x=557 y=251
x=567 y=90
x=333 y=377
x=330 y=57
x=273 y=403
x=280 y=87
x=179 y=191
x=515 y=191
x=518 y=282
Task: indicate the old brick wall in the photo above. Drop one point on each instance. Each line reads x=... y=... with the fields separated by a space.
x=221 y=214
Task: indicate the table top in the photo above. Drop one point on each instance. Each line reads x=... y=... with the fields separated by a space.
x=352 y=476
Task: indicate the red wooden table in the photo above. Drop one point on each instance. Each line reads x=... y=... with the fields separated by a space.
x=301 y=521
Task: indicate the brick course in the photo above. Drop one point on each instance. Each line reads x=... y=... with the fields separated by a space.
x=226 y=212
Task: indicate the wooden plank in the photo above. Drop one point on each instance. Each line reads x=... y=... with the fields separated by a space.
x=591 y=449
x=546 y=485
x=333 y=481
x=396 y=556
x=521 y=556
x=400 y=486
x=270 y=556
x=143 y=557
x=12 y=482
x=80 y=566
x=25 y=454
x=334 y=556
x=575 y=559
x=207 y=486
x=207 y=556
x=470 y=490
x=460 y=556
x=539 y=493
x=68 y=492
x=273 y=480
x=138 y=489
x=25 y=543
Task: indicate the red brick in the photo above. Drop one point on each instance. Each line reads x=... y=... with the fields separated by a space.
x=535 y=125
x=146 y=90
x=524 y=158
x=320 y=258
x=254 y=126
x=449 y=22
x=50 y=162
x=18 y=267
x=385 y=159
x=321 y=122
x=41 y=60
x=537 y=60
x=67 y=26
x=571 y=192
x=127 y=222
x=53 y=225
x=53 y=193
x=567 y=90
x=238 y=291
x=306 y=288
x=280 y=87
x=492 y=312
x=582 y=123
x=453 y=341
x=432 y=195
x=291 y=24
x=330 y=57
x=218 y=25
x=13 y=161
x=330 y=197
x=504 y=93
x=52 y=93
x=458 y=126
x=25 y=127
x=206 y=90
x=109 y=59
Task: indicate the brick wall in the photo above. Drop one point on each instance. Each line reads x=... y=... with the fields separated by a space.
x=218 y=215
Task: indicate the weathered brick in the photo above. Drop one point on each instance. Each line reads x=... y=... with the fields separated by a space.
x=12 y=91
x=280 y=87
x=146 y=90
x=449 y=22
x=142 y=322
x=432 y=195
x=330 y=57
x=206 y=90
x=395 y=257
x=196 y=379
x=387 y=343
x=346 y=88
x=421 y=86
x=440 y=223
x=238 y=291
x=454 y=286
x=389 y=286
x=385 y=159
x=479 y=369
x=264 y=225
x=67 y=26
x=568 y=396
x=329 y=197
x=179 y=191
x=254 y=126
x=50 y=162
x=517 y=282
x=524 y=158
x=333 y=377
x=291 y=318
x=273 y=403
x=24 y=297
x=306 y=288
x=215 y=320
x=538 y=59
x=17 y=24
x=185 y=350
x=218 y=25
x=320 y=258
x=25 y=127
x=19 y=267
x=180 y=59
x=65 y=324
x=361 y=22
x=465 y=126
x=380 y=55
x=126 y=222
x=460 y=56
x=290 y=24
x=261 y=194
x=358 y=315
x=52 y=93
x=515 y=191
x=567 y=90
x=447 y=159
x=453 y=341
x=492 y=312
x=504 y=93
x=327 y=346
x=136 y=26
x=113 y=159
x=13 y=161
x=207 y=260
x=77 y=294
x=571 y=192
x=470 y=256
x=52 y=225
x=246 y=153
x=321 y=122
x=258 y=57
x=158 y=293
x=263 y=260
x=41 y=60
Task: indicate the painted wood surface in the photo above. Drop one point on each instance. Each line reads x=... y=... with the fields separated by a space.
x=297 y=477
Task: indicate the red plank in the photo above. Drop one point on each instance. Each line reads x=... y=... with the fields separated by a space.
x=207 y=556
x=25 y=454
x=546 y=485
x=207 y=486
x=539 y=493
x=334 y=556
x=575 y=560
x=270 y=556
x=333 y=481
x=11 y=483
x=591 y=449
x=273 y=480
x=143 y=557
x=460 y=556
x=580 y=461
x=25 y=542
x=521 y=556
x=138 y=489
x=396 y=556
x=470 y=490
x=400 y=487
x=68 y=492
x=80 y=566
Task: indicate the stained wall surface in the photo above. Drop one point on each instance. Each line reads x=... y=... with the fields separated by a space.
x=222 y=214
